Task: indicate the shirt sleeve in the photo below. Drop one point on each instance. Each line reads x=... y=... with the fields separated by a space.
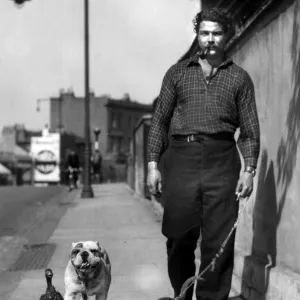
x=158 y=133
x=249 y=138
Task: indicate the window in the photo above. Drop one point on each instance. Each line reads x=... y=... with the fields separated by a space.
x=130 y=122
x=114 y=120
x=112 y=145
x=115 y=144
x=121 y=145
x=120 y=120
x=21 y=138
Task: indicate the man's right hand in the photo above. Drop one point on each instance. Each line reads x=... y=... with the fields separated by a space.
x=154 y=181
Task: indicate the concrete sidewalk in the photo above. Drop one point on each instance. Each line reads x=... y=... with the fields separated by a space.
x=127 y=227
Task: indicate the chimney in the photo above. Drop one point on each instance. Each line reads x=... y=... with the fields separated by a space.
x=126 y=97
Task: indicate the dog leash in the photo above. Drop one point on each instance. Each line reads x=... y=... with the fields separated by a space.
x=190 y=281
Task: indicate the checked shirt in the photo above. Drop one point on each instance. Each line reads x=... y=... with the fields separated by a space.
x=187 y=104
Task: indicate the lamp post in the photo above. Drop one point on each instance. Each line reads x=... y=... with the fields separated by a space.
x=87 y=191
x=20 y=2
x=97 y=132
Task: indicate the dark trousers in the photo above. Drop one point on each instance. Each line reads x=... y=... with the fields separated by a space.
x=97 y=172
x=199 y=191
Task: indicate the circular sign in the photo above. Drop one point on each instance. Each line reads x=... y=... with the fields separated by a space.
x=45 y=162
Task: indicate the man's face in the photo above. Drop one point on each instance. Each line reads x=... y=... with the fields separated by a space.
x=211 y=36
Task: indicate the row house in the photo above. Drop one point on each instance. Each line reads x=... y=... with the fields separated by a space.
x=114 y=117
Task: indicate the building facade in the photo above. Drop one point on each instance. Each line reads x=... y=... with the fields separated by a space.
x=114 y=117
x=67 y=115
x=15 y=152
x=123 y=115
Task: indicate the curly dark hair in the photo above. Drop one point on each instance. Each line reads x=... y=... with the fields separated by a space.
x=221 y=16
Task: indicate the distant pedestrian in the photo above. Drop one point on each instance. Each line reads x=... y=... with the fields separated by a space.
x=73 y=165
x=97 y=166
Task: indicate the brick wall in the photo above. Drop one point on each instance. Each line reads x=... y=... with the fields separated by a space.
x=268 y=244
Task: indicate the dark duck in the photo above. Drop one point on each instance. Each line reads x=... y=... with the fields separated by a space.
x=51 y=293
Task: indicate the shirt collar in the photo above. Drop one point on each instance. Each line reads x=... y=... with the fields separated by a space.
x=195 y=60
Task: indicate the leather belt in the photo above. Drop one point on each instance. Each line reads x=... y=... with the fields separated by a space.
x=227 y=136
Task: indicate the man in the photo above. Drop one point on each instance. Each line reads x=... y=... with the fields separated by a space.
x=97 y=166
x=73 y=165
x=203 y=100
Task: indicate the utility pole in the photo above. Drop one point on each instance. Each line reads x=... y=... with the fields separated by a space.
x=87 y=191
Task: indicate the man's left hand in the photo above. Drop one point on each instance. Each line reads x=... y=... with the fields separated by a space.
x=245 y=185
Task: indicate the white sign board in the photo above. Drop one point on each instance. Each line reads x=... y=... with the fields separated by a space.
x=45 y=151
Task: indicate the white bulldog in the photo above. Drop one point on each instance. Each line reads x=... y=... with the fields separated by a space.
x=88 y=271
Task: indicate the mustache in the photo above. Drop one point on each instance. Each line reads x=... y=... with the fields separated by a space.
x=210 y=46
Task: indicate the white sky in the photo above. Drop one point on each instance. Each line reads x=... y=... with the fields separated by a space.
x=132 y=43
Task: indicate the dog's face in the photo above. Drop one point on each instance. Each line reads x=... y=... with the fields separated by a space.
x=86 y=256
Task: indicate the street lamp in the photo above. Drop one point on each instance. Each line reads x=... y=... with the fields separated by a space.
x=20 y=2
x=97 y=132
x=87 y=191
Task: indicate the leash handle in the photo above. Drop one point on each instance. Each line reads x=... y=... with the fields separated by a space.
x=212 y=264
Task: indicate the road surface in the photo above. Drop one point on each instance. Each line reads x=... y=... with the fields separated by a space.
x=28 y=216
x=19 y=205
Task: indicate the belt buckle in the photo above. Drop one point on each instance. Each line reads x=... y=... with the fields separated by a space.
x=189 y=138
